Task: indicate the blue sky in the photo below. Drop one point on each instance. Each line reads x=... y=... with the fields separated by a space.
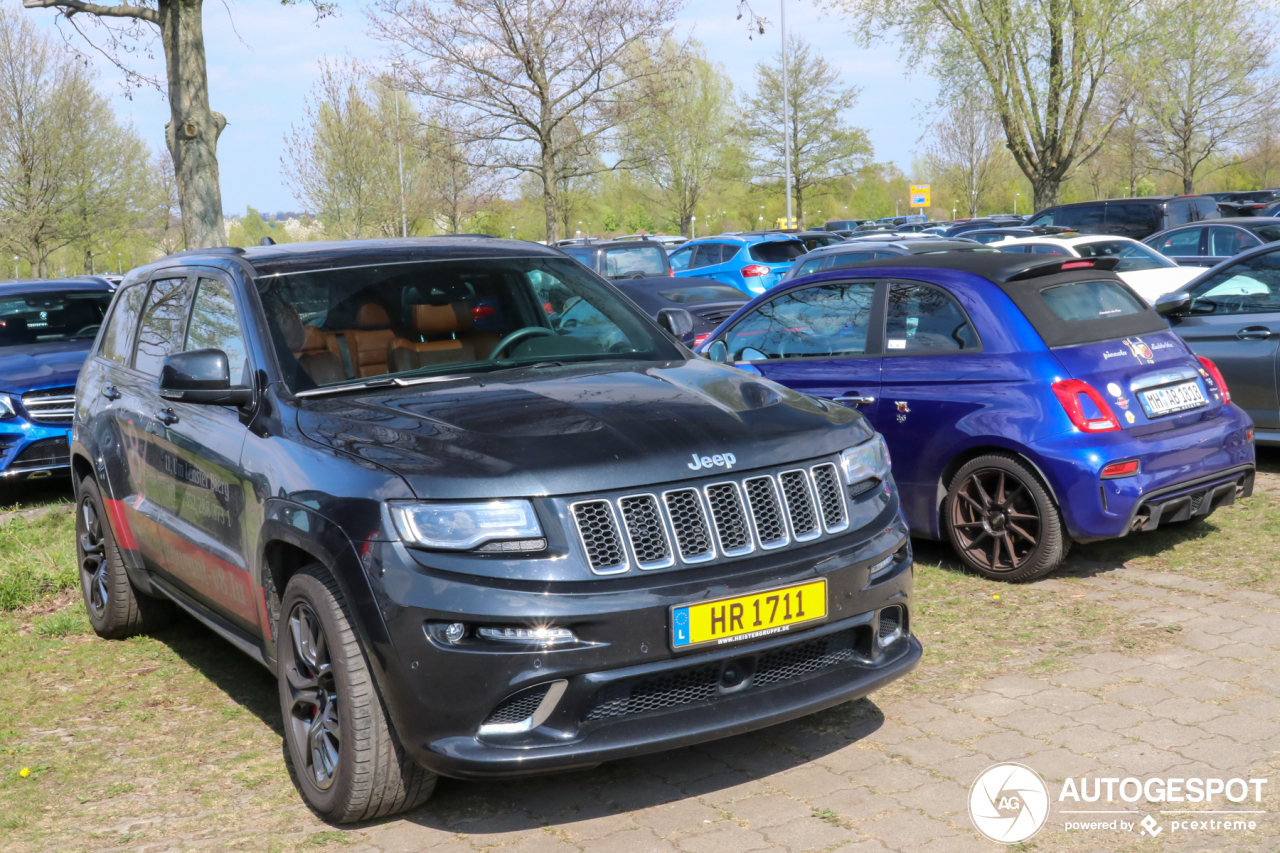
x=261 y=69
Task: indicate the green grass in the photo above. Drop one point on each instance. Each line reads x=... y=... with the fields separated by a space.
x=37 y=558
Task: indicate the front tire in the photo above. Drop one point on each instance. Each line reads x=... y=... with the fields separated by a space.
x=115 y=608
x=1002 y=522
x=349 y=763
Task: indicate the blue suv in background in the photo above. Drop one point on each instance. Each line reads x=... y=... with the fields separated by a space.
x=753 y=263
x=46 y=330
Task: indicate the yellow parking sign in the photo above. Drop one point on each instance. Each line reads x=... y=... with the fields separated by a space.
x=920 y=195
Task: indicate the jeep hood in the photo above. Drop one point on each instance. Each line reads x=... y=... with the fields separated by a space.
x=575 y=429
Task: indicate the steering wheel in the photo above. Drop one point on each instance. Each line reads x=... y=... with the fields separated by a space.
x=517 y=336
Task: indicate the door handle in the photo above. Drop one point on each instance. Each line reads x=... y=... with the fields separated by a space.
x=167 y=417
x=111 y=392
x=855 y=399
x=1254 y=333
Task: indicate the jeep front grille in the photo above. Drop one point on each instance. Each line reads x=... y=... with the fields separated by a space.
x=643 y=521
x=690 y=525
x=698 y=523
x=600 y=538
x=51 y=405
x=795 y=491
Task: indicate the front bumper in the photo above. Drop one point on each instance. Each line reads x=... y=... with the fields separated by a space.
x=30 y=451
x=619 y=690
x=1188 y=470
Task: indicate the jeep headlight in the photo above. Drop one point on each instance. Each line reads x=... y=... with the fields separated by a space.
x=6 y=407
x=869 y=460
x=466 y=526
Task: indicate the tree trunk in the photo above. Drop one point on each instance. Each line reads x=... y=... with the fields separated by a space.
x=1044 y=191
x=193 y=129
x=798 y=212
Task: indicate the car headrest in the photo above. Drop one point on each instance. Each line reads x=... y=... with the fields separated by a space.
x=372 y=316
x=313 y=340
x=290 y=325
x=442 y=319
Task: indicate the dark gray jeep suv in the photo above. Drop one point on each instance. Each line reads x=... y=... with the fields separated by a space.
x=469 y=539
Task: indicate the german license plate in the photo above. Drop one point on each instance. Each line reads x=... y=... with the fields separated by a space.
x=747 y=617
x=1175 y=398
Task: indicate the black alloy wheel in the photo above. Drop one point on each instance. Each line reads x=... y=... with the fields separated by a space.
x=93 y=559
x=347 y=760
x=1002 y=522
x=116 y=609
x=314 y=714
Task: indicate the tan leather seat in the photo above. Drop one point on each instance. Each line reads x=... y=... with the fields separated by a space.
x=318 y=358
x=434 y=320
x=367 y=343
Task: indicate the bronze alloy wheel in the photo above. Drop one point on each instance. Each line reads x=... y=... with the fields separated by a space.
x=1002 y=521
x=314 y=713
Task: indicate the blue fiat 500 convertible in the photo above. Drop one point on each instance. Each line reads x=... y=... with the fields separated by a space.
x=1026 y=402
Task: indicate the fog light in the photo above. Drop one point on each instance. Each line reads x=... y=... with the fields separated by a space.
x=455 y=632
x=543 y=635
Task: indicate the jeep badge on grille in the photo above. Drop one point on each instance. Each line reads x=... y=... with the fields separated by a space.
x=720 y=460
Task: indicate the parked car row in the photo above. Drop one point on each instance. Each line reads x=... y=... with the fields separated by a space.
x=482 y=513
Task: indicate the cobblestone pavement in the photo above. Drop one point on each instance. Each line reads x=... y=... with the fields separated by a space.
x=894 y=774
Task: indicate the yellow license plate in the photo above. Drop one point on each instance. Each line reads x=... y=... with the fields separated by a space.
x=747 y=617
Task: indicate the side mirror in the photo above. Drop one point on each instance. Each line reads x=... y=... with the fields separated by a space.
x=677 y=321
x=718 y=351
x=201 y=376
x=1172 y=304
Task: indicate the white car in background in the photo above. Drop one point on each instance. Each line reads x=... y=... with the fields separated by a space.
x=1147 y=271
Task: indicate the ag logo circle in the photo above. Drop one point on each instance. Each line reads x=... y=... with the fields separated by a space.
x=1008 y=803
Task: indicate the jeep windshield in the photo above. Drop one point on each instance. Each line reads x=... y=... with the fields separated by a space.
x=51 y=316
x=355 y=326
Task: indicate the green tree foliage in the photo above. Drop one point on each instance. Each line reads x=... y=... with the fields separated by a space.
x=823 y=145
x=683 y=140
x=70 y=174
x=1207 y=84
x=1039 y=62
x=341 y=162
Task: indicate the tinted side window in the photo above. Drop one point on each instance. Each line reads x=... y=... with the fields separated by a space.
x=1137 y=216
x=1085 y=214
x=1045 y=217
x=705 y=255
x=925 y=320
x=1180 y=244
x=118 y=336
x=830 y=319
x=1251 y=286
x=1179 y=213
x=163 y=324
x=845 y=258
x=215 y=324
x=1207 y=208
x=1230 y=241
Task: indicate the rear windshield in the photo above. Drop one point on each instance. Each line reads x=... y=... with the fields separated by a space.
x=706 y=293
x=50 y=316
x=635 y=262
x=1090 y=300
x=777 y=251
x=1269 y=233
x=1133 y=256
x=331 y=327
x=586 y=256
x=1068 y=310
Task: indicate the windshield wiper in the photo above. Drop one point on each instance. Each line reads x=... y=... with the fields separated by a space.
x=379 y=382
